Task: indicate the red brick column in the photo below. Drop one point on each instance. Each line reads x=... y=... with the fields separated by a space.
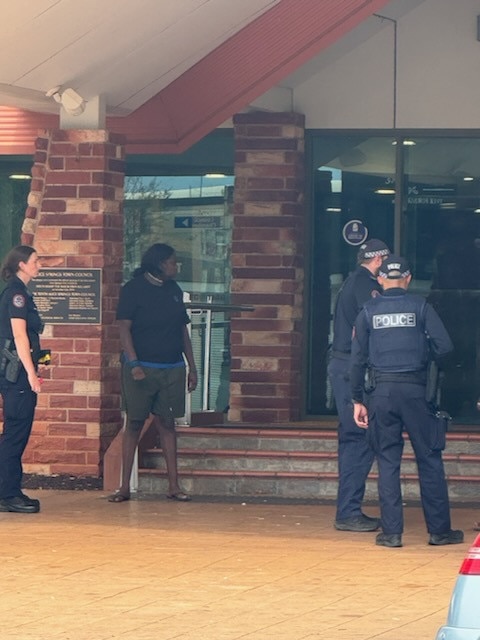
x=267 y=267
x=75 y=219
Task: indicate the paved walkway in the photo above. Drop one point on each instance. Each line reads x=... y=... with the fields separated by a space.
x=86 y=569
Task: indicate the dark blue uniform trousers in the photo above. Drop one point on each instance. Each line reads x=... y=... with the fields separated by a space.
x=355 y=456
x=392 y=408
x=18 y=410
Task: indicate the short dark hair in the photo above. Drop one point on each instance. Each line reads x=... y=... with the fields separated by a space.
x=153 y=258
x=11 y=262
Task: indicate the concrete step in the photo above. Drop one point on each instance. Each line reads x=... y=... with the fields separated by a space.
x=290 y=464
x=275 y=461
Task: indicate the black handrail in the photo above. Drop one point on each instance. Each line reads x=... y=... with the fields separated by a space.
x=214 y=306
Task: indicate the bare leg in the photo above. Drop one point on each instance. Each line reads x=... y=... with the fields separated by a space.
x=168 y=441
x=130 y=440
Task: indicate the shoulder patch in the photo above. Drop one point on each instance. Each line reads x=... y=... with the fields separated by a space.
x=19 y=301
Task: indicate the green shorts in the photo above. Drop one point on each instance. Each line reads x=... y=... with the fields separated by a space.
x=161 y=392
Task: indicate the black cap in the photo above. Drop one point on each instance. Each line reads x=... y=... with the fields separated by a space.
x=394 y=268
x=371 y=249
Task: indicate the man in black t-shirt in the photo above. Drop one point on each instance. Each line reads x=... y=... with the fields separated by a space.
x=153 y=332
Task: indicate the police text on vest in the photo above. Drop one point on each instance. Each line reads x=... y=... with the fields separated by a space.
x=393 y=320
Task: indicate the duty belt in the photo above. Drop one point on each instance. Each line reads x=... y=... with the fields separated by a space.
x=414 y=377
x=341 y=355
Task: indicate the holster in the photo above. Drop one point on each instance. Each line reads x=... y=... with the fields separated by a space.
x=10 y=363
x=439 y=430
x=370 y=383
x=432 y=388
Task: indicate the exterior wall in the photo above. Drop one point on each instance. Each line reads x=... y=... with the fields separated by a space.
x=437 y=63
x=267 y=267
x=75 y=219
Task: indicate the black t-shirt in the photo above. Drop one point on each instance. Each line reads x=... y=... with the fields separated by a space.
x=158 y=317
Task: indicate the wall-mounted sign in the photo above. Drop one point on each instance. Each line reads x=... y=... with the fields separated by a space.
x=68 y=296
x=355 y=232
x=198 y=222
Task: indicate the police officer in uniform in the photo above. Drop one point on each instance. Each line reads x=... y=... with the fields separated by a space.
x=20 y=326
x=355 y=456
x=395 y=336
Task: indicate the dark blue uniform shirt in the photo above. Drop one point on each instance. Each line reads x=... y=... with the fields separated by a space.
x=359 y=287
x=16 y=301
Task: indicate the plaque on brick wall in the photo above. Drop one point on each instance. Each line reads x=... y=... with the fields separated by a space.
x=68 y=296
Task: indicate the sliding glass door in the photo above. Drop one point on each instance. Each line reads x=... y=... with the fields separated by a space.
x=421 y=195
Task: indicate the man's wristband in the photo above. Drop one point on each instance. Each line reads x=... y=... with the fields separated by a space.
x=133 y=363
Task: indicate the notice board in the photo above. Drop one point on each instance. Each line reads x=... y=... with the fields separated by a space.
x=68 y=296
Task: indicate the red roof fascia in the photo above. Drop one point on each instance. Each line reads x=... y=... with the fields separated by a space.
x=243 y=68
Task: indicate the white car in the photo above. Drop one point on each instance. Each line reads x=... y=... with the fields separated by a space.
x=463 y=620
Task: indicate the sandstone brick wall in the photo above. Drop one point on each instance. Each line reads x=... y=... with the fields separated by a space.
x=75 y=219
x=267 y=267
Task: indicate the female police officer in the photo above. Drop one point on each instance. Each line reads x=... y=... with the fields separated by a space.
x=394 y=334
x=20 y=326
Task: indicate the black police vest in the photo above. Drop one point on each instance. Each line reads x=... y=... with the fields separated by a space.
x=397 y=340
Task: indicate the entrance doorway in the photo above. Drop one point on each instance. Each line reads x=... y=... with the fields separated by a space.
x=421 y=195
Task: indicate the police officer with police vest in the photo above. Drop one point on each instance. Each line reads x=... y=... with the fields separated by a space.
x=396 y=334
x=355 y=456
x=20 y=326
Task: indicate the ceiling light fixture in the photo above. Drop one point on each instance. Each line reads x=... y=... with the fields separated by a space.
x=406 y=143
x=20 y=176
x=385 y=192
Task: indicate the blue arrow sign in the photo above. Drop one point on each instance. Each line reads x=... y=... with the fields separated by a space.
x=198 y=222
x=183 y=222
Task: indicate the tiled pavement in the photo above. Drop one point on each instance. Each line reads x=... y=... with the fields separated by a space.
x=87 y=569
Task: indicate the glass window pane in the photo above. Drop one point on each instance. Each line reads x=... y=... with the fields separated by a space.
x=442 y=243
x=353 y=180
x=193 y=214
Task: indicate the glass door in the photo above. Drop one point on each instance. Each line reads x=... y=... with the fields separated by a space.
x=441 y=229
x=421 y=195
x=353 y=194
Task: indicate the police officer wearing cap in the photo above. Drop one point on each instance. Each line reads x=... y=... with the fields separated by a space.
x=20 y=326
x=355 y=456
x=395 y=336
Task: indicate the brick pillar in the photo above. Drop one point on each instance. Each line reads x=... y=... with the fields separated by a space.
x=75 y=219
x=267 y=267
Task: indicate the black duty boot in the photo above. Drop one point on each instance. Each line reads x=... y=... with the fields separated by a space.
x=19 y=504
x=454 y=536
x=389 y=540
x=357 y=523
